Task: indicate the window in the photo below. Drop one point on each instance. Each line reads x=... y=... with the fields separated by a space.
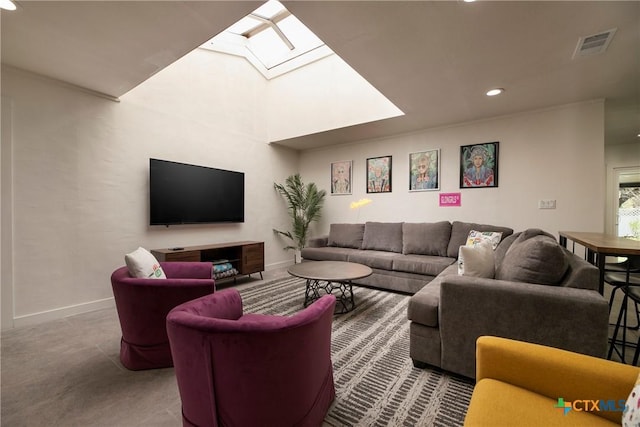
x=272 y=39
x=628 y=209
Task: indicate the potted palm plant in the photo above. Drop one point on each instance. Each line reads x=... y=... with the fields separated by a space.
x=304 y=203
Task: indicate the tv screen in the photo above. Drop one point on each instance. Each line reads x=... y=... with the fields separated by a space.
x=190 y=194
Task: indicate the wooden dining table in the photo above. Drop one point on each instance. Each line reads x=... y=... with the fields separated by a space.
x=599 y=246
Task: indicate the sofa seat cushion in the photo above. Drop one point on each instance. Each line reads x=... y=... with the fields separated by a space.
x=375 y=259
x=460 y=234
x=422 y=264
x=383 y=236
x=423 y=305
x=497 y=403
x=426 y=238
x=327 y=253
x=396 y=281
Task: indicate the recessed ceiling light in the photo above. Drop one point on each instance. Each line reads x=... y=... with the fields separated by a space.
x=7 y=5
x=494 y=92
x=468 y=1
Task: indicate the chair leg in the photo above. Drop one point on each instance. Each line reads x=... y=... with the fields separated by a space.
x=635 y=328
x=636 y=353
x=621 y=313
x=624 y=330
x=613 y=294
x=611 y=298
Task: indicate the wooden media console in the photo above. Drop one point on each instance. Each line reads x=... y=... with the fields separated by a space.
x=247 y=257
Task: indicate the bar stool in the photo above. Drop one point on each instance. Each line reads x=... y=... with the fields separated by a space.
x=631 y=263
x=615 y=274
x=629 y=284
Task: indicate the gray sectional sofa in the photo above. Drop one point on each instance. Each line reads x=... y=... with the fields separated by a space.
x=538 y=291
x=404 y=256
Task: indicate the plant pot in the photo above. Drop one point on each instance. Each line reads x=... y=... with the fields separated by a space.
x=297 y=256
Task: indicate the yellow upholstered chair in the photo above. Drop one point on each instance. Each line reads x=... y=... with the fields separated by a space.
x=524 y=384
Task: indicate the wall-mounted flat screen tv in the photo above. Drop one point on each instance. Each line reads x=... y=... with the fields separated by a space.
x=188 y=194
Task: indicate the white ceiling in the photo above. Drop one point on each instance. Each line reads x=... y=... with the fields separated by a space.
x=434 y=60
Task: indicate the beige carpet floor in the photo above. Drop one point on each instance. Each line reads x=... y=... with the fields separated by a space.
x=67 y=373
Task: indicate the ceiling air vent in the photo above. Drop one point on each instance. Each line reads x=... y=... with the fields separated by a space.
x=594 y=44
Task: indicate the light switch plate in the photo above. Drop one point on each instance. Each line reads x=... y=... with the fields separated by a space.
x=547 y=204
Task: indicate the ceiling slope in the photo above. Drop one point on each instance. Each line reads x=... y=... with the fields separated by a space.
x=110 y=46
x=434 y=60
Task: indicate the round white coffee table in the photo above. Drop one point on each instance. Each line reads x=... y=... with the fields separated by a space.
x=330 y=277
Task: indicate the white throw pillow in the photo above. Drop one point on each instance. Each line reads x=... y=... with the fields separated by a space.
x=144 y=265
x=477 y=260
x=476 y=237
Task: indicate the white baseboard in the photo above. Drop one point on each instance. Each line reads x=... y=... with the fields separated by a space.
x=277 y=265
x=61 y=313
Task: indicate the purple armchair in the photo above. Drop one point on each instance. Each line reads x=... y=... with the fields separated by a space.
x=143 y=305
x=236 y=369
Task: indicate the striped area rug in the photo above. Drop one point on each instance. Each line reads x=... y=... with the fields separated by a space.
x=376 y=383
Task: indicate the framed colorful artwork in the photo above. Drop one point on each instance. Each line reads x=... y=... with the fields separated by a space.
x=424 y=170
x=341 y=177
x=379 y=174
x=479 y=165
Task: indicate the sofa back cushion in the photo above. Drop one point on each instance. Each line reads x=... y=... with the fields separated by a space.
x=534 y=257
x=503 y=247
x=460 y=233
x=580 y=273
x=426 y=238
x=346 y=235
x=383 y=236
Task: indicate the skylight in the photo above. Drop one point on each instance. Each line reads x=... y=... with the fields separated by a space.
x=276 y=42
x=272 y=39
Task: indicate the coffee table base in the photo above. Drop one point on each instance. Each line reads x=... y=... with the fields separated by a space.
x=343 y=293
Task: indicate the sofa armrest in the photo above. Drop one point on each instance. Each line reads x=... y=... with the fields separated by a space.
x=569 y=318
x=555 y=373
x=318 y=242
